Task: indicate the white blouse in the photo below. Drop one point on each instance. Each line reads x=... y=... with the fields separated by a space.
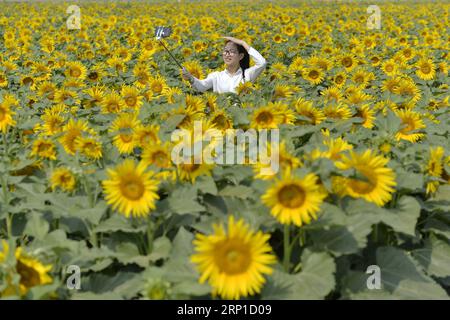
x=223 y=81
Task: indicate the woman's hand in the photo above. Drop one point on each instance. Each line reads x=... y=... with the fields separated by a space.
x=187 y=75
x=238 y=41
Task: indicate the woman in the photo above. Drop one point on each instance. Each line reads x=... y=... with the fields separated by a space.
x=236 y=56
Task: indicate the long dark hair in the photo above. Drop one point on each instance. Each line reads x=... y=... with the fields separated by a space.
x=245 y=61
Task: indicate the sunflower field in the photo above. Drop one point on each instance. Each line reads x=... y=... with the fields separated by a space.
x=93 y=207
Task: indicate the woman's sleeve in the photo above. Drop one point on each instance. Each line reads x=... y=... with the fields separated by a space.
x=205 y=84
x=260 y=63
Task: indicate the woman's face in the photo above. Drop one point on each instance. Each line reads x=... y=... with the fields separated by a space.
x=231 y=55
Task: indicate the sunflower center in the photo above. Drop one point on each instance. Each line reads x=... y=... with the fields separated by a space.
x=425 y=69
x=264 y=117
x=27 y=81
x=232 y=256
x=2 y=114
x=29 y=277
x=126 y=138
x=366 y=185
x=347 y=62
x=75 y=73
x=132 y=188
x=159 y=158
x=43 y=147
x=313 y=74
x=291 y=196
x=93 y=75
x=130 y=101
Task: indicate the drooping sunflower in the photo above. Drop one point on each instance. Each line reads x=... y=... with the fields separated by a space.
x=411 y=123
x=435 y=168
x=337 y=111
x=130 y=189
x=367 y=114
x=335 y=149
x=72 y=131
x=374 y=181
x=62 y=178
x=305 y=109
x=294 y=200
x=233 y=261
x=124 y=127
x=32 y=272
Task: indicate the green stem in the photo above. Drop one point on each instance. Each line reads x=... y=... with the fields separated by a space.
x=287 y=249
x=150 y=237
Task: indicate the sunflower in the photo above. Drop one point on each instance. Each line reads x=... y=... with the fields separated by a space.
x=28 y=81
x=389 y=67
x=6 y=116
x=3 y=80
x=47 y=89
x=426 y=70
x=69 y=97
x=190 y=171
x=337 y=111
x=171 y=92
x=348 y=61
x=44 y=148
x=335 y=149
x=142 y=76
x=96 y=95
x=234 y=260
x=339 y=79
x=411 y=122
x=131 y=97
x=31 y=271
x=294 y=200
x=373 y=180
x=435 y=168
x=194 y=68
x=332 y=94
x=124 y=127
x=266 y=118
x=130 y=189
x=367 y=114
x=53 y=123
x=286 y=161
x=158 y=155
x=90 y=147
x=112 y=103
x=283 y=91
x=305 y=109
x=72 y=131
x=157 y=85
x=63 y=178
x=75 y=70
x=220 y=120
x=313 y=74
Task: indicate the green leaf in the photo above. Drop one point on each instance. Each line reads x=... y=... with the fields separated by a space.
x=315 y=281
x=434 y=257
x=401 y=275
x=404 y=217
x=184 y=200
x=36 y=225
x=240 y=191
